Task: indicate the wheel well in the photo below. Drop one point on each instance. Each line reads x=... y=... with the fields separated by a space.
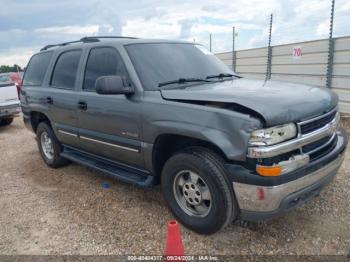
x=168 y=144
x=36 y=118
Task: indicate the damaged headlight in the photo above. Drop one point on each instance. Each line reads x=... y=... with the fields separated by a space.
x=272 y=135
x=293 y=163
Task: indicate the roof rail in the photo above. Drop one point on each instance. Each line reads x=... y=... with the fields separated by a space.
x=61 y=44
x=95 y=38
x=86 y=39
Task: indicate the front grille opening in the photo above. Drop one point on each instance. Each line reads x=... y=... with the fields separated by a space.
x=317 y=124
x=316 y=144
x=325 y=150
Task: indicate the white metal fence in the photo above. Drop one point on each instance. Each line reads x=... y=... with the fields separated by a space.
x=304 y=62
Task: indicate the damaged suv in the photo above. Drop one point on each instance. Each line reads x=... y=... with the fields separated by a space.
x=154 y=112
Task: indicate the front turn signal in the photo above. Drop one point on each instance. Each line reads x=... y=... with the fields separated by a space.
x=269 y=170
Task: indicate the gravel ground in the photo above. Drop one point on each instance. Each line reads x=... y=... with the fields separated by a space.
x=67 y=211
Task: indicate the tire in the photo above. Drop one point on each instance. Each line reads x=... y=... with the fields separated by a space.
x=204 y=216
x=52 y=158
x=6 y=121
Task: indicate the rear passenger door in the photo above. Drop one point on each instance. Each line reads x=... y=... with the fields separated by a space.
x=109 y=125
x=63 y=98
x=34 y=85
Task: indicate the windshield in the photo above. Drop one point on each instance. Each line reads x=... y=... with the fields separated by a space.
x=161 y=62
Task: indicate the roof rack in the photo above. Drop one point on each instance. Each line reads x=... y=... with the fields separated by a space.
x=61 y=44
x=86 y=39
x=97 y=37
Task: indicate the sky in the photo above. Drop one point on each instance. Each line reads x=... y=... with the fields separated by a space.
x=26 y=26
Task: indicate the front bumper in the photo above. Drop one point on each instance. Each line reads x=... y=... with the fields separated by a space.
x=264 y=198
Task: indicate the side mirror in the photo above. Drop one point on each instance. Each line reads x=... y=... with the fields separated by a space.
x=112 y=85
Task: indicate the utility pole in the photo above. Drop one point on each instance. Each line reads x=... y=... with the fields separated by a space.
x=210 y=42
x=330 y=49
x=269 y=52
x=233 y=50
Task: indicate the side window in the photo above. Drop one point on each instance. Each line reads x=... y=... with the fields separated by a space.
x=102 y=61
x=66 y=68
x=36 y=69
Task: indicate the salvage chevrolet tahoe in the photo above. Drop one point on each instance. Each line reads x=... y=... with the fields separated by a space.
x=151 y=112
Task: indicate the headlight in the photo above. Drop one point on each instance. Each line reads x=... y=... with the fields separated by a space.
x=272 y=135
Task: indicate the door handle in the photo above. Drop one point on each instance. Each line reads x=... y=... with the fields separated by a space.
x=49 y=100
x=82 y=105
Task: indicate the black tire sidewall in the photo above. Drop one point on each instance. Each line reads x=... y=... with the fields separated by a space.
x=218 y=213
x=6 y=121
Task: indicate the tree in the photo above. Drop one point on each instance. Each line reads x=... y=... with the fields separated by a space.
x=8 y=69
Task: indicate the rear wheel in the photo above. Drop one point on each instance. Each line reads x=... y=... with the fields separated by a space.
x=6 y=121
x=198 y=191
x=49 y=147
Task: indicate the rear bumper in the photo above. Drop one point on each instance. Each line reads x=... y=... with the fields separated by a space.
x=10 y=110
x=262 y=201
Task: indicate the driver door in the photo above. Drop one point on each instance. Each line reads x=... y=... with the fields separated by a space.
x=109 y=125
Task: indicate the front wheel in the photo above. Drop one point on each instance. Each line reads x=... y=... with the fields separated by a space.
x=198 y=191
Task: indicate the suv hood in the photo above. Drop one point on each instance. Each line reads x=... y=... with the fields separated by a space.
x=277 y=102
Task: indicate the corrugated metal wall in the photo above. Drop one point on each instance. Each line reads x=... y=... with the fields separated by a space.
x=310 y=68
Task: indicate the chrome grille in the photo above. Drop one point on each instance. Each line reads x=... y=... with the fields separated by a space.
x=324 y=150
x=315 y=145
x=316 y=123
x=322 y=146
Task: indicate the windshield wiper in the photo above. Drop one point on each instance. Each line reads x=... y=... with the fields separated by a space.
x=182 y=81
x=222 y=75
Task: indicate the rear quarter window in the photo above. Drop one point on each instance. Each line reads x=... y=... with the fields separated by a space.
x=36 y=69
x=66 y=68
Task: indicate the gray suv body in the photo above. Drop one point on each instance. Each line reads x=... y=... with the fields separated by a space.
x=222 y=147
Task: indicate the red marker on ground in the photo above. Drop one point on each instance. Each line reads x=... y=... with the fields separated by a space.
x=174 y=246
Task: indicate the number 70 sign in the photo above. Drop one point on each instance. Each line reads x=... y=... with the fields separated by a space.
x=297 y=52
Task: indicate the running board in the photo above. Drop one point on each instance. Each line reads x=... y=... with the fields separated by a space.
x=112 y=169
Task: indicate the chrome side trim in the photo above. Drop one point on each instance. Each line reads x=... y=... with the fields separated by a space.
x=110 y=144
x=67 y=133
x=248 y=195
x=274 y=150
